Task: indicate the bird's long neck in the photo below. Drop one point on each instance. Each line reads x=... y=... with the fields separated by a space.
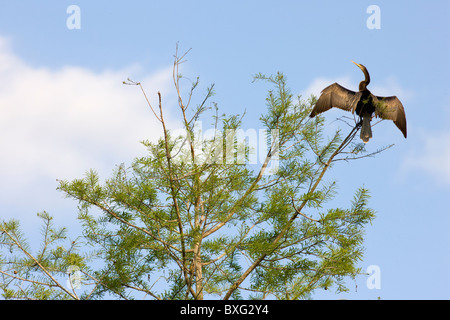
x=366 y=75
x=365 y=83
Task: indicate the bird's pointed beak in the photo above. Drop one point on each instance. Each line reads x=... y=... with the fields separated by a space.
x=356 y=64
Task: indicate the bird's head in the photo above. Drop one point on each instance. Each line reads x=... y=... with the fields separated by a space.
x=363 y=84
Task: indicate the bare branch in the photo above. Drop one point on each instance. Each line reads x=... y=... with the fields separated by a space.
x=131 y=82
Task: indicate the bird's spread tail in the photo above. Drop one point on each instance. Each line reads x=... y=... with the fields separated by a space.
x=366 y=130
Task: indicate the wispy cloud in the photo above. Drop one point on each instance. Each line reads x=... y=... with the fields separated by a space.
x=390 y=86
x=59 y=123
x=433 y=156
x=318 y=84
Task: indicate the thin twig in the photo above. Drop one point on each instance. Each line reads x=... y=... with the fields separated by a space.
x=131 y=82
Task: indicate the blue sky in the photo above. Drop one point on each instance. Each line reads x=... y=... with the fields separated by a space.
x=64 y=108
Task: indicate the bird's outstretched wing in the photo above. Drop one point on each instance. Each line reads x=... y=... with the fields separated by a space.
x=336 y=96
x=390 y=108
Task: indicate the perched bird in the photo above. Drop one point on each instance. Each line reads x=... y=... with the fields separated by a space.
x=364 y=103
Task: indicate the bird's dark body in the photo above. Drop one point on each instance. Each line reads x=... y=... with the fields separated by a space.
x=363 y=103
x=364 y=109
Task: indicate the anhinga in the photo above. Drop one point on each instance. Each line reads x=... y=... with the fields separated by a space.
x=364 y=103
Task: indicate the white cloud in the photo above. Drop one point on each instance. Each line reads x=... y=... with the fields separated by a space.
x=391 y=87
x=59 y=123
x=433 y=157
x=318 y=84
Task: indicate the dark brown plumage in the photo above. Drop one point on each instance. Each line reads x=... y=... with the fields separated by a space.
x=364 y=103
